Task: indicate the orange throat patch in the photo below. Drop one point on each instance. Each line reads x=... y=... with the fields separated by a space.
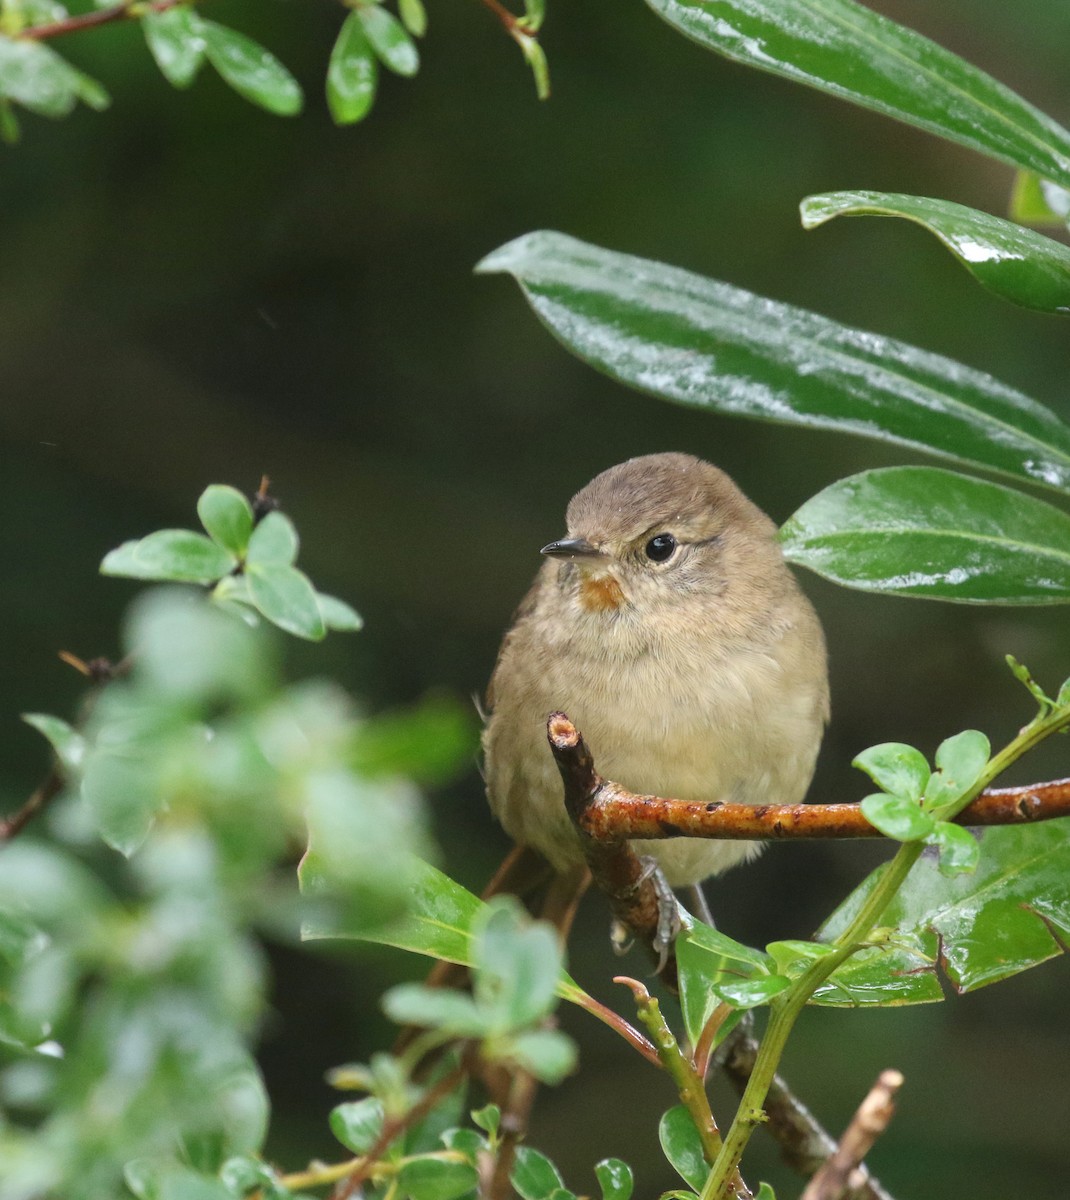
x=600 y=593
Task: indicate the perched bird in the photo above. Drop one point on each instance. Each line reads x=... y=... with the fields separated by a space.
x=669 y=628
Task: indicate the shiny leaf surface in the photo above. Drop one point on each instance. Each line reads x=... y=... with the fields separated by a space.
x=918 y=531
x=896 y=768
x=1010 y=914
x=285 y=596
x=38 y=78
x=389 y=39
x=352 y=73
x=699 y=342
x=251 y=70
x=176 y=41
x=682 y=1146
x=856 y=54
x=1018 y=264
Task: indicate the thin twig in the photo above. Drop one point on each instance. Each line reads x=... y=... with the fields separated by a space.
x=51 y=787
x=835 y=1179
x=394 y=1128
x=804 y=1143
x=615 y=867
x=101 y=16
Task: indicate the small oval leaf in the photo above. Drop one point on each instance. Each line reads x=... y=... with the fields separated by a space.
x=227 y=515
x=615 y=1178
x=285 y=596
x=171 y=554
x=352 y=74
x=682 y=1146
x=251 y=70
x=534 y=1176
x=1018 y=264
x=919 y=531
x=176 y=41
x=895 y=767
x=897 y=817
x=358 y=1124
x=389 y=39
x=273 y=542
x=960 y=851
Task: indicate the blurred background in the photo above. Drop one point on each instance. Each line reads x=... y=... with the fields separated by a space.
x=194 y=291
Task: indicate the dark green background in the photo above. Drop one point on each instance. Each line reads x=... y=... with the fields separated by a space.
x=193 y=291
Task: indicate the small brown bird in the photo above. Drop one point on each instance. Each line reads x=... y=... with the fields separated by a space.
x=670 y=629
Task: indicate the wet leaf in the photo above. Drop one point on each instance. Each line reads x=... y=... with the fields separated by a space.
x=352 y=73
x=897 y=817
x=856 y=54
x=959 y=849
x=702 y=343
x=176 y=41
x=251 y=70
x=389 y=39
x=615 y=1178
x=895 y=767
x=1010 y=914
x=919 y=531
x=750 y=993
x=39 y=79
x=1016 y=263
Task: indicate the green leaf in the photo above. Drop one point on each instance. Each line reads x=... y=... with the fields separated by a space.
x=752 y=992
x=274 y=542
x=1010 y=914
x=251 y=70
x=357 y=1124
x=178 y=555
x=517 y=964
x=176 y=41
x=389 y=40
x=897 y=817
x=705 y=958
x=535 y=57
x=765 y=1192
x=1018 y=264
x=123 y=798
x=428 y=1178
x=919 y=531
x=961 y=760
x=960 y=851
x=488 y=1118
x=9 y=123
x=286 y=597
x=792 y=957
x=438 y=920
x=615 y=1178
x=1028 y=203
x=20 y=938
x=226 y=513
x=67 y=742
x=38 y=78
x=534 y=1176
x=413 y=16
x=682 y=1146
x=547 y=1054
x=352 y=74
x=435 y=1008
x=858 y=55
x=702 y=343
x=430 y=742
x=896 y=768
x=338 y=615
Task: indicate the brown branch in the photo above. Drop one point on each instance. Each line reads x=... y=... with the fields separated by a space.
x=51 y=787
x=614 y=865
x=834 y=1181
x=609 y=814
x=101 y=16
x=394 y=1128
x=804 y=1144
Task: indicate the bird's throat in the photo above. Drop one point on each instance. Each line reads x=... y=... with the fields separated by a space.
x=600 y=593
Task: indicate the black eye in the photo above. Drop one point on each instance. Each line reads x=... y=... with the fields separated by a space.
x=660 y=548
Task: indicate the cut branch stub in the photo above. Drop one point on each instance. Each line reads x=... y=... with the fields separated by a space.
x=615 y=867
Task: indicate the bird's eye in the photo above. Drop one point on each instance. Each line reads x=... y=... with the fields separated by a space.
x=660 y=548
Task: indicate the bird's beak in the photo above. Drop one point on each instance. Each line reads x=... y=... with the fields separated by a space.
x=571 y=548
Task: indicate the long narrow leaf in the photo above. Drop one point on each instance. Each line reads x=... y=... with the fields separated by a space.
x=699 y=342
x=847 y=50
x=1018 y=264
x=919 y=531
